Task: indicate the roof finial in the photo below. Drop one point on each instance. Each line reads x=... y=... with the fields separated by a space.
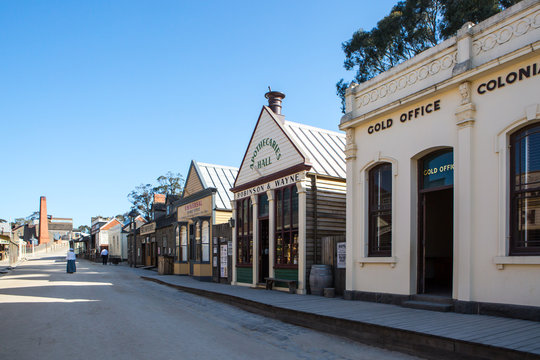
x=269 y=89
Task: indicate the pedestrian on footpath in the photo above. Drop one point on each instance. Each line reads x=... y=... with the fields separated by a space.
x=104 y=256
x=71 y=268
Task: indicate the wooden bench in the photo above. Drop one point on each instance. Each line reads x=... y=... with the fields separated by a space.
x=293 y=284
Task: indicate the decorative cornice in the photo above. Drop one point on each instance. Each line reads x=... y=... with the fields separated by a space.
x=502 y=35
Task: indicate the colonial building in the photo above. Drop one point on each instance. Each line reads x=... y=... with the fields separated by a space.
x=443 y=157
x=206 y=201
x=289 y=193
x=101 y=231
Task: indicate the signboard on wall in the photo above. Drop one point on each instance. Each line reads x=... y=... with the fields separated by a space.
x=274 y=184
x=223 y=257
x=201 y=207
x=148 y=228
x=341 y=254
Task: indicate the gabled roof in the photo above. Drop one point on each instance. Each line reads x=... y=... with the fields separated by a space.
x=213 y=176
x=110 y=224
x=324 y=148
x=278 y=147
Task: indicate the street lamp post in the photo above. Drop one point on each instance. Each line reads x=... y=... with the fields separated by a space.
x=132 y=215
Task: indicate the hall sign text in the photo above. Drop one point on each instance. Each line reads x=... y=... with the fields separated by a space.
x=406 y=116
x=510 y=78
x=257 y=163
x=274 y=184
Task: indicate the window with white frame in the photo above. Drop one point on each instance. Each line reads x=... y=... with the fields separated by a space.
x=205 y=241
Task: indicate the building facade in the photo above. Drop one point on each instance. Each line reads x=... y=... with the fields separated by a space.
x=289 y=193
x=442 y=167
x=206 y=201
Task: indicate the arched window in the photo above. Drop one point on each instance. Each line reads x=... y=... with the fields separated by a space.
x=183 y=244
x=380 y=210
x=525 y=191
x=205 y=241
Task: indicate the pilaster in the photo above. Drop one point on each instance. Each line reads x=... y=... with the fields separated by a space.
x=255 y=224
x=302 y=205
x=234 y=252
x=463 y=212
x=271 y=232
x=352 y=246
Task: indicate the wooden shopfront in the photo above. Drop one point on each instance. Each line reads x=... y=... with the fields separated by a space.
x=206 y=201
x=289 y=193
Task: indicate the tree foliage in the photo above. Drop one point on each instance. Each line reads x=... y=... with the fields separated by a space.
x=411 y=27
x=170 y=184
x=142 y=196
x=141 y=199
x=84 y=229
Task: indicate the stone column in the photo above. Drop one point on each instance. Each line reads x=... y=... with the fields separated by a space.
x=255 y=224
x=302 y=205
x=350 y=229
x=271 y=232
x=234 y=253
x=463 y=192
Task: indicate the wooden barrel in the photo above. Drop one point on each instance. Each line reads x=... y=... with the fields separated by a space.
x=320 y=277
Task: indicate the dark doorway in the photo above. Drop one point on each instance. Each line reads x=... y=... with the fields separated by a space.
x=438 y=235
x=436 y=224
x=263 y=250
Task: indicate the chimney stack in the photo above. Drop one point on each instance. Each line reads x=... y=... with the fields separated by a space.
x=43 y=222
x=274 y=101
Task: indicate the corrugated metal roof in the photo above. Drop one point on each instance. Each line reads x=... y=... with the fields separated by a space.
x=219 y=177
x=325 y=149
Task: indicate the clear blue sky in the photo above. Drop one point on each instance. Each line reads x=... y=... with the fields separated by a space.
x=98 y=97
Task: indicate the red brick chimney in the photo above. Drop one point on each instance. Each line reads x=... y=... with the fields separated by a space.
x=159 y=198
x=43 y=236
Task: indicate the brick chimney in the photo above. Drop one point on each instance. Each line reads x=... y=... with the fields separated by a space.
x=43 y=236
x=159 y=198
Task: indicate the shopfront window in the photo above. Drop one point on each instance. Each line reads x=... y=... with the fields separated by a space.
x=183 y=244
x=380 y=210
x=287 y=226
x=205 y=241
x=263 y=205
x=244 y=231
x=525 y=191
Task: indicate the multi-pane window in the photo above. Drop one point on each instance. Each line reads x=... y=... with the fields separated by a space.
x=380 y=210
x=183 y=244
x=244 y=231
x=205 y=241
x=286 y=226
x=525 y=191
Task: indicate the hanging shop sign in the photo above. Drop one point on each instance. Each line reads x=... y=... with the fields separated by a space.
x=438 y=170
x=274 y=184
x=202 y=207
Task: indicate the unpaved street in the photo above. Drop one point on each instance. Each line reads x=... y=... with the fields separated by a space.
x=108 y=312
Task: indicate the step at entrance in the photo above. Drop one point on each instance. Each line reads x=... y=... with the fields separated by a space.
x=429 y=302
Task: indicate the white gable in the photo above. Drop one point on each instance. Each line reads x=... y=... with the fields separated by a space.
x=269 y=151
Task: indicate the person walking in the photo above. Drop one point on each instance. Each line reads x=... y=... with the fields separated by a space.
x=104 y=256
x=70 y=257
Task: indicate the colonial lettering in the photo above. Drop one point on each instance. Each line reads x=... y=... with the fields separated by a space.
x=513 y=76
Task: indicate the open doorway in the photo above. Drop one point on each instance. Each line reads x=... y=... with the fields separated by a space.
x=264 y=250
x=436 y=224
